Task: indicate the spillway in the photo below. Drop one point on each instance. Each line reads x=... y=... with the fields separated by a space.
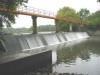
x=21 y=50
x=24 y=42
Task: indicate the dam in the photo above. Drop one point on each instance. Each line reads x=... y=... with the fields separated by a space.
x=25 y=42
x=20 y=51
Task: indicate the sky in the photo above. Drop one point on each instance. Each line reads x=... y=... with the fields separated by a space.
x=54 y=6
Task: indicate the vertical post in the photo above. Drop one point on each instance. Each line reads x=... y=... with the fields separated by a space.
x=78 y=27
x=34 y=21
x=57 y=26
x=70 y=27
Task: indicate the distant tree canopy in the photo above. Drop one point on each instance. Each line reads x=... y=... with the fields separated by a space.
x=44 y=28
x=93 y=22
x=16 y=30
x=7 y=18
x=67 y=12
x=84 y=13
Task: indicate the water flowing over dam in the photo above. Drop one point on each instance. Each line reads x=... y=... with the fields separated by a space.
x=30 y=41
x=21 y=51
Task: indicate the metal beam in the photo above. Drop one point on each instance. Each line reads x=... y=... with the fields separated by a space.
x=40 y=15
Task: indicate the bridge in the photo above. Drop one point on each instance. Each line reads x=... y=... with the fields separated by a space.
x=34 y=12
x=24 y=51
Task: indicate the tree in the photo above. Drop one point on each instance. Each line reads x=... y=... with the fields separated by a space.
x=93 y=21
x=98 y=0
x=67 y=12
x=84 y=13
x=44 y=28
x=6 y=18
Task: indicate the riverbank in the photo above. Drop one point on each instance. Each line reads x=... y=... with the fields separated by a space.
x=94 y=33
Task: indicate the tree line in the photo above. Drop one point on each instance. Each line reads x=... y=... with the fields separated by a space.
x=91 y=19
x=42 y=28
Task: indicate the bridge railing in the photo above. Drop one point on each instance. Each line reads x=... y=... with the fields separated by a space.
x=36 y=11
x=26 y=10
x=31 y=10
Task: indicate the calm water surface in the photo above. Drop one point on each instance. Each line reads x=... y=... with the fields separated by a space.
x=81 y=58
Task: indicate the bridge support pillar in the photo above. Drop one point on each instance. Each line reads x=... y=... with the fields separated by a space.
x=78 y=27
x=57 y=26
x=70 y=27
x=34 y=21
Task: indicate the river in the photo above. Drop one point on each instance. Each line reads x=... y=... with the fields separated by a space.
x=79 y=57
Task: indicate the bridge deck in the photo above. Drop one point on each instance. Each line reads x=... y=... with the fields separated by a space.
x=40 y=13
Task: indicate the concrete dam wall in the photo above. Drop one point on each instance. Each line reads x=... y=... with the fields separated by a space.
x=26 y=42
x=22 y=51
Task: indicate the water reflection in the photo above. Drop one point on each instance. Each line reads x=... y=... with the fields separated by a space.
x=81 y=58
x=78 y=57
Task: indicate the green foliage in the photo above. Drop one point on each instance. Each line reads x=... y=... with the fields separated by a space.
x=66 y=12
x=16 y=30
x=93 y=22
x=44 y=28
x=84 y=13
x=6 y=19
x=12 y=4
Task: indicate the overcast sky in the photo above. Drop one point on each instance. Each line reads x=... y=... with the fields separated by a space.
x=54 y=6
